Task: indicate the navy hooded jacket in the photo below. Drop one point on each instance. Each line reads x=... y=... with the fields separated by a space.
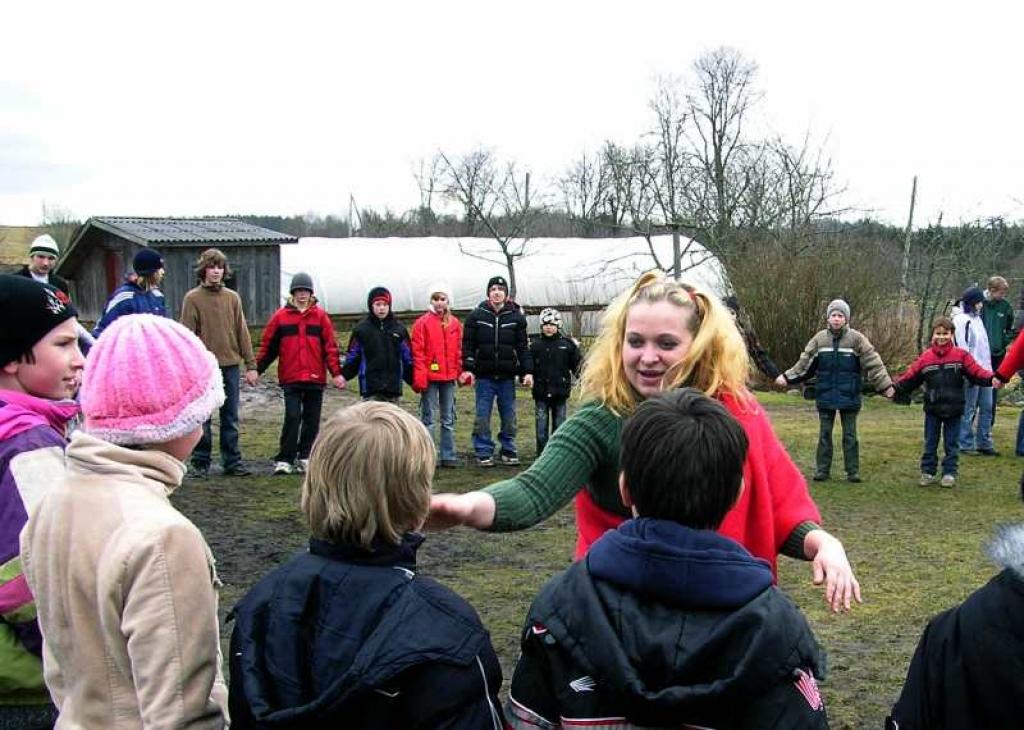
x=661 y=626
x=345 y=637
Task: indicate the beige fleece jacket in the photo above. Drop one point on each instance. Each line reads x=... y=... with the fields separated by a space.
x=215 y=315
x=126 y=594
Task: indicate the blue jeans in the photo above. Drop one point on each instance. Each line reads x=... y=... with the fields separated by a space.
x=976 y=398
x=230 y=455
x=950 y=430
x=545 y=412
x=440 y=396
x=487 y=390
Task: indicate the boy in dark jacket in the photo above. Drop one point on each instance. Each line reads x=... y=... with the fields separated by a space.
x=346 y=633
x=556 y=361
x=495 y=351
x=837 y=355
x=379 y=351
x=301 y=336
x=966 y=672
x=666 y=623
x=942 y=368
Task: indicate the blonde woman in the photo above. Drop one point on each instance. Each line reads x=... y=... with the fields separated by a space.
x=659 y=335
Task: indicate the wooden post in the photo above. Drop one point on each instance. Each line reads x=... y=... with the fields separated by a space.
x=677 y=254
x=904 y=287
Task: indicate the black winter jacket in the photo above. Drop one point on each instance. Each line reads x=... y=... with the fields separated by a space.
x=379 y=351
x=344 y=637
x=57 y=282
x=556 y=361
x=494 y=344
x=968 y=670
x=664 y=626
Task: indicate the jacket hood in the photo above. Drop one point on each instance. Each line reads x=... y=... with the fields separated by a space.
x=619 y=613
x=20 y=412
x=87 y=454
x=679 y=566
x=1006 y=549
x=396 y=625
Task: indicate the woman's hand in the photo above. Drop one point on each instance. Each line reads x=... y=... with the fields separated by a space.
x=832 y=568
x=473 y=509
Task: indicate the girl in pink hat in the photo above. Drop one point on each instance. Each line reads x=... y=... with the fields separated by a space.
x=125 y=586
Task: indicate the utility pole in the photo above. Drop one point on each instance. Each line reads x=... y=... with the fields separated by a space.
x=904 y=288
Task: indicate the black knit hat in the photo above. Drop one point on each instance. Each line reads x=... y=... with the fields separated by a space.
x=29 y=310
x=497 y=281
x=971 y=297
x=147 y=261
x=377 y=292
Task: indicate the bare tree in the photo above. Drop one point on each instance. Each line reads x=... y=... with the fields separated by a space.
x=59 y=223
x=499 y=204
x=584 y=191
x=718 y=103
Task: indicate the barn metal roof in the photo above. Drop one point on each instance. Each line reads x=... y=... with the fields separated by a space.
x=147 y=231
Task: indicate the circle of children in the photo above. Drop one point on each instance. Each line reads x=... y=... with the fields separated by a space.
x=684 y=497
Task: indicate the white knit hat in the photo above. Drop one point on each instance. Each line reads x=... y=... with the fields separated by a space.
x=441 y=287
x=44 y=245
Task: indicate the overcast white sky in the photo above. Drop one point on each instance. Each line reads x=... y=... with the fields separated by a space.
x=281 y=108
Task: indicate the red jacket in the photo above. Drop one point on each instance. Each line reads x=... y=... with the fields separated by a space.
x=436 y=351
x=1012 y=361
x=303 y=341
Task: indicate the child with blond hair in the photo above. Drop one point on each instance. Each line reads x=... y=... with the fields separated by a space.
x=347 y=633
x=125 y=586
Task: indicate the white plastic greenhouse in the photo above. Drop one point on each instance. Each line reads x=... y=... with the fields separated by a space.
x=558 y=272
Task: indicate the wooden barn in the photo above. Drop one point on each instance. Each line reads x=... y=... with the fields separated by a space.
x=101 y=252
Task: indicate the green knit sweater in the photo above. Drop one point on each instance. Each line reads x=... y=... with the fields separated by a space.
x=582 y=453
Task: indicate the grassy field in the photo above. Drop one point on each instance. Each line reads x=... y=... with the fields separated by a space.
x=916 y=550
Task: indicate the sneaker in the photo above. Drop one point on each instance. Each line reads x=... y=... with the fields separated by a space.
x=198 y=472
x=969 y=452
x=926 y=479
x=854 y=478
x=819 y=477
x=948 y=480
x=509 y=459
x=302 y=466
x=238 y=470
x=282 y=467
x=988 y=452
x=484 y=461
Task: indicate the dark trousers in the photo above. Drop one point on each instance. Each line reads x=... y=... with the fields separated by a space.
x=851 y=448
x=549 y=415
x=230 y=455
x=950 y=431
x=302 y=404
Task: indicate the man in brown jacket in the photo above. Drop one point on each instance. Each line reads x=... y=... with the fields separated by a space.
x=214 y=313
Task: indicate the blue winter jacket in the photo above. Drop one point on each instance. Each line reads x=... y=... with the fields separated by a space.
x=130 y=298
x=838 y=358
x=341 y=636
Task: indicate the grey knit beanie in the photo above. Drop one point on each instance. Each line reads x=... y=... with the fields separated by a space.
x=838 y=305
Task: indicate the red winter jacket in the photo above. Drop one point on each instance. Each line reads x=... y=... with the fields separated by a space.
x=304 y=343
x=436 y=351
x=1012 y=361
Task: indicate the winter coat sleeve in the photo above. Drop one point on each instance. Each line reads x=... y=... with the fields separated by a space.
x=405 y=355
x=871 y=364
x=576 y=360
x=976 y=373
x=469 y=329
x=118 y=306
x=270 y=343
x=419 y=356
x=910 y=380
x=1013 y=361
x=331 y=353
x=353 y=357
x=758 y=354
x=169 y=620
x=805 y=365
x=523 y=348
x=473 y=702
x=532 y=702
x=244 y=338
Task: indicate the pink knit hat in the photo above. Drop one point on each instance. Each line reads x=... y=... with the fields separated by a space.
x=148 y=380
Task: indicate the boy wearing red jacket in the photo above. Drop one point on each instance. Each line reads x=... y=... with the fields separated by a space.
x=301 y=336
x=942 y=369
x=436 y=364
